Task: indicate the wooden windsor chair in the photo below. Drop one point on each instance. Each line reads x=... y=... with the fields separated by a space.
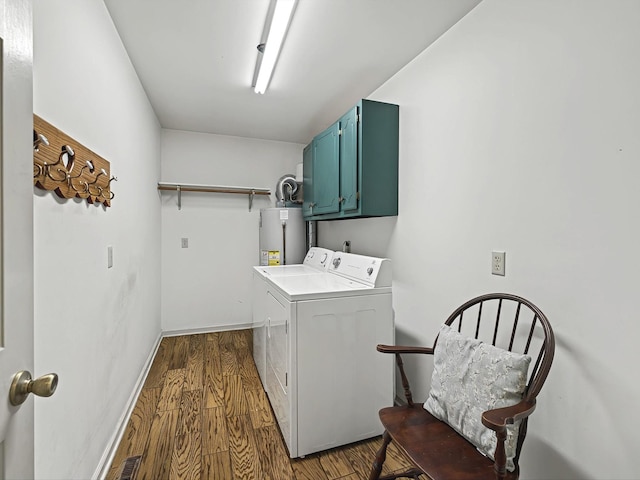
x=500 y=333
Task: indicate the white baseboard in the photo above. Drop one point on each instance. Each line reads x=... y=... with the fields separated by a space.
x=400 y=401
x=107 y=458
x=217 y=328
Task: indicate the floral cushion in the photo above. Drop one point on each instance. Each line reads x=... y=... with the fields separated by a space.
x=470 y=377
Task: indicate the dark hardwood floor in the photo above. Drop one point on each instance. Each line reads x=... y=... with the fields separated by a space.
x=203 y=414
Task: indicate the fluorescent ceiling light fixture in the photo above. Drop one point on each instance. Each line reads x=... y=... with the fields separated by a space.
x=276 y=29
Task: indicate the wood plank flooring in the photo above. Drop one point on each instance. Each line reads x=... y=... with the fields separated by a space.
x=203 y=414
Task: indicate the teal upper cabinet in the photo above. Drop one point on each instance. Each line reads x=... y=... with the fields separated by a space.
x=349 y=160
x=351 y=169
x=326 y=168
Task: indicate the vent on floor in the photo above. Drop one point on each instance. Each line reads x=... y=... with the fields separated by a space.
x=130 y=468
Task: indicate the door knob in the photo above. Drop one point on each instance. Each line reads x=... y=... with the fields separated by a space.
x=22 y=385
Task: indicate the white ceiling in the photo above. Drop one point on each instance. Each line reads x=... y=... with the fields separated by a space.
x=196 y=59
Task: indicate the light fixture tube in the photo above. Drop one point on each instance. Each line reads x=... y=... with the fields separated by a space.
x=273 y=45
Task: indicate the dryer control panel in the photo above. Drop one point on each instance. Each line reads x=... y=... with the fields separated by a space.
x=369 y=270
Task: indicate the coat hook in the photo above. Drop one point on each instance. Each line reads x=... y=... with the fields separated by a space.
x=38 y=139
x=70 y=178
x=111 y=194
x=101 y=172
x=89 y=185
x=67 y=152
x=88 y=165
x=46 y=167
x=107 y=188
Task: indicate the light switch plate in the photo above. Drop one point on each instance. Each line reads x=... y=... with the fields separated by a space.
x=185 y=242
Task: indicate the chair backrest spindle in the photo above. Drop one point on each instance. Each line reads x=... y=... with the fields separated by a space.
x=515 y=327
x=497 y=324
x=531 y=331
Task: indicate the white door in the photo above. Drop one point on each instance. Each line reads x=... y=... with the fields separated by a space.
x=16 y=234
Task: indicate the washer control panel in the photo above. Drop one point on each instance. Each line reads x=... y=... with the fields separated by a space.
x=319 y=258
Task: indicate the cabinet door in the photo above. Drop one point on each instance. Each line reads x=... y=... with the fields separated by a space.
x=326 y=163
x=307 y=181
x=349 y=160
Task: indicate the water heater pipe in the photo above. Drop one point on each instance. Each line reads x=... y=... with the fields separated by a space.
x=288 y=180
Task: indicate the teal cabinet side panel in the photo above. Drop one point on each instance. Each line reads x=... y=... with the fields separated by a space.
x=326 y=171
x=307 y=180
x=378 y=144
x=349 y=160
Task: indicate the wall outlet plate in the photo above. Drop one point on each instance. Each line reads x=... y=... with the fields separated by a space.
x=497 y=263
x=184 y=242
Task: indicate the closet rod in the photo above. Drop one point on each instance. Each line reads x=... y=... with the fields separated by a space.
x=191 y=187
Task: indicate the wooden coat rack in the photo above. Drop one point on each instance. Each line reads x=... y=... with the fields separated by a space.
x=68 y=168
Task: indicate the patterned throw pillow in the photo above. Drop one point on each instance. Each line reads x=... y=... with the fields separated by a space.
x=470 y=377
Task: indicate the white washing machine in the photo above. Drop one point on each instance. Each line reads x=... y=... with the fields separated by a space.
x=324 y=378
x=316 y=261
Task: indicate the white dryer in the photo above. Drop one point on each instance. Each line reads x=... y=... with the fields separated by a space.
x=324 y=378
x=316 y=261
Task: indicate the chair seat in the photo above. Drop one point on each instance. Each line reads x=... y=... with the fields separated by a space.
x=435 y=447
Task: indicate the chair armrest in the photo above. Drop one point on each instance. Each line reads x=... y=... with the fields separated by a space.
x=397 y=350
x=499 y=418
x=403 y=349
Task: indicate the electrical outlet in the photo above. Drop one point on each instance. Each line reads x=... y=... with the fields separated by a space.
x=497 y=263
x=185 y=242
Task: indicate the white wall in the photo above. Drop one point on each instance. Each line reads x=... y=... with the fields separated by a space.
x=519 y=132
x=94 y=326
x=208 y=285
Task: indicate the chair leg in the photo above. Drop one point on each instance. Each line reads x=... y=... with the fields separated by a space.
x=381 y=456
